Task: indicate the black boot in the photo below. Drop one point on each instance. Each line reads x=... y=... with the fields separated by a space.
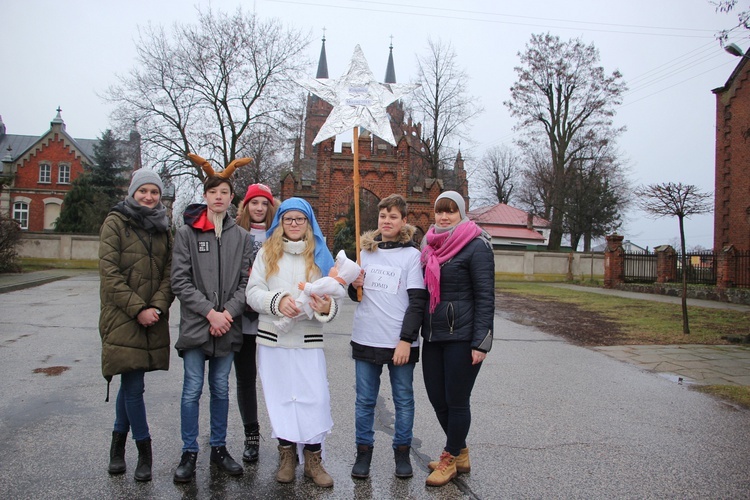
x=186 y=470
x=117 y=453
x=403 y=463
x=143 y=469
x=221 y=457
x=361 y=469
x=252 y=443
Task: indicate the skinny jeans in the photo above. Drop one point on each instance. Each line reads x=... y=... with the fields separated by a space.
x=130 y=409
x=449 y=379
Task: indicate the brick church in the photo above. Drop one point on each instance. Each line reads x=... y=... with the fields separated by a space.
x=325 y=177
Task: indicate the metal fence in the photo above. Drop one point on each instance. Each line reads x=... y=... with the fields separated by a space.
x=742 y=269
x=640 y=267
x=700 y=268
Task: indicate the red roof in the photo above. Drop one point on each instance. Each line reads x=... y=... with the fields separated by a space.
x=505 y=215
x=517 y=233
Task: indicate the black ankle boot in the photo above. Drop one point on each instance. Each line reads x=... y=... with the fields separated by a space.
x=252 y=443
x=361 y=469
x=403 y=462
x=221 y=457
x=117 y=453
x=143 y=469
x=186 y=470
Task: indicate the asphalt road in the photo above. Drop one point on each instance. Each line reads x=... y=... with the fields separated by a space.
x=550 y=420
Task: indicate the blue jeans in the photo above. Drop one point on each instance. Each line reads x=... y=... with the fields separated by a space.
x=194 y=361
x=368 y=386
x=130 y=410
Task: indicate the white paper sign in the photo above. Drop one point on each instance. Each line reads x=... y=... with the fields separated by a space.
x=382 y=278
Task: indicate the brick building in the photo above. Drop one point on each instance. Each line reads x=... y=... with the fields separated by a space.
x=325 y=177
x=37 y=171
x=732 y=182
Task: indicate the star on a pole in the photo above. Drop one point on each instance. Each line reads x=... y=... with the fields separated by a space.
x=358 y=100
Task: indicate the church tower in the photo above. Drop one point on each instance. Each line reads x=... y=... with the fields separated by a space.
x=317 y=109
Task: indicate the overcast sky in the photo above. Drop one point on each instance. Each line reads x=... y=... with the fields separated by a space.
x=66 y=53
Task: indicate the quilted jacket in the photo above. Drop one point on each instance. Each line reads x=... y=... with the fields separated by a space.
x=466 y=310
x=134 y=268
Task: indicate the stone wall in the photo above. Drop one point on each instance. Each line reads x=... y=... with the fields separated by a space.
x=60 y=246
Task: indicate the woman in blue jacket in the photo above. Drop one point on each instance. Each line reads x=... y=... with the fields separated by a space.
x=457 y=329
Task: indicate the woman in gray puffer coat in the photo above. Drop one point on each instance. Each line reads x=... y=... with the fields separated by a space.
x=134 y=266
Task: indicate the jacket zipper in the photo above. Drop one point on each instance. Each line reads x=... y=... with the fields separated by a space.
x=218 y=295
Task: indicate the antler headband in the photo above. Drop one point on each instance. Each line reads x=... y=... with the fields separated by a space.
x=224 y=174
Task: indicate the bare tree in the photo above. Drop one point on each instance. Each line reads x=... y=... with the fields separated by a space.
x=679 y=200
x=442 y=104
x=496 y=176
x=562 y=92
x=743 y=18
x=211 y=88
x=535 y=190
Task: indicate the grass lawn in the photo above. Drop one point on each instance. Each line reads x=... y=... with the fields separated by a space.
x=643 y=322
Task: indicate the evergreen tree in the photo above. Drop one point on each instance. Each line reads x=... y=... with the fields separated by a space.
x=100 y=187
x=110 y=164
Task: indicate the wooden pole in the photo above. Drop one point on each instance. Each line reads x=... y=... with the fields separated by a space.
x=355 y=152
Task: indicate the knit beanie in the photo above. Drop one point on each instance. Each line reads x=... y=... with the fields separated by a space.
x=254 y=190
x=141 y=177
x=457 y=199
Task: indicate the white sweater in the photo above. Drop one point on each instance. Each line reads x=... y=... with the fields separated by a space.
x=264 y=295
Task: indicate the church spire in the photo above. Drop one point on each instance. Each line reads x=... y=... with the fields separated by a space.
x=322 y=62
x=390 y=71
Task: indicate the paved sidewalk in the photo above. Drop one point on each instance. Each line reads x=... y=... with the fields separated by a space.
x=10 y=282
x=557 y=420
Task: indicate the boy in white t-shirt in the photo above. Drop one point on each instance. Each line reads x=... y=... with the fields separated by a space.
x=386 y=330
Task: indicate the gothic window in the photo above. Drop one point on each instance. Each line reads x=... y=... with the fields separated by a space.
x=21 y=214
x=45 y=173
x=63 y=174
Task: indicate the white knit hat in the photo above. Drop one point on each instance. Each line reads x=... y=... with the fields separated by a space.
x=141 y=177
x=457 y=199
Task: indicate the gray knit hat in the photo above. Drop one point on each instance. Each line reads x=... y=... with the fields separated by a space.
x=141 y=177
x=457 y=199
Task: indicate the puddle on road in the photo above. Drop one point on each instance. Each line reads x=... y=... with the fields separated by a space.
x=677 y=379
x=52 y=371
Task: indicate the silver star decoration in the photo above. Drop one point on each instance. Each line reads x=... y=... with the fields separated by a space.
x=357 y=100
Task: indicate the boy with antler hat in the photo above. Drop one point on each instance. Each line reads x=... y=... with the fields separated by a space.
x=210 y=265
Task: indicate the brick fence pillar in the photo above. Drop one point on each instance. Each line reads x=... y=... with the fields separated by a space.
x=614 y=261
x=666 y=264
x=725 y=267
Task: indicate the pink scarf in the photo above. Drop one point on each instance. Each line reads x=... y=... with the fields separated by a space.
x=440 y=248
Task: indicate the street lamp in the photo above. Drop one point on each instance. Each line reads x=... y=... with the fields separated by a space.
x=735 y=50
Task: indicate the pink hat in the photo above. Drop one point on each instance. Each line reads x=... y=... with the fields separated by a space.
x=254 y=190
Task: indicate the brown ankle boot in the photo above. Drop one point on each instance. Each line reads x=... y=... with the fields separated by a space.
x=463 y=465
x=287 y=464
x=314 y=469
x=444 y=472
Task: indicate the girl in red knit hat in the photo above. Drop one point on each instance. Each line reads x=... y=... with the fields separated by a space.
x=255 y=214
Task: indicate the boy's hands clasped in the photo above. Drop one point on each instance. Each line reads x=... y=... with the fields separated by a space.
x=219 y=322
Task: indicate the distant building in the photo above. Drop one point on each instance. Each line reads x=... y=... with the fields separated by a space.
x=37 y=171
x=511 y=227
x=732 y=168
x=627 y=246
